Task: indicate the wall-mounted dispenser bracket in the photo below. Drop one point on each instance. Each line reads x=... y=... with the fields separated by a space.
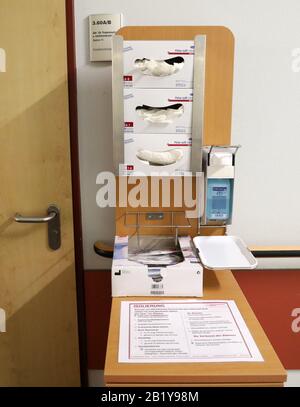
x=198 y=103
x=174 y=220
x=118 y=101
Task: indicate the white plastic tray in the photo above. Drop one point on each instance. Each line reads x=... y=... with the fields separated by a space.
x=224 y=252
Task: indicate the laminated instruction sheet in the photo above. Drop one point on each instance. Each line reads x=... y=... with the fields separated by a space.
x=184 y=331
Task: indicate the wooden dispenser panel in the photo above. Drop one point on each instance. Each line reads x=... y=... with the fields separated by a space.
x=217 y=108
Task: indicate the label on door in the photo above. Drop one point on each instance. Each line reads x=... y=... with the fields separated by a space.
x=102 y=28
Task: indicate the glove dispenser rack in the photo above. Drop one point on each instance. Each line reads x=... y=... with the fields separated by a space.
x=212 y=101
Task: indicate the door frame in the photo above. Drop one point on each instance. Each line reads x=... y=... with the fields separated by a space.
x=75 y=174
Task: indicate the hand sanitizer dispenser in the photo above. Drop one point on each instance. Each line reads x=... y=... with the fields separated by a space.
x=220 y=252
x=218 y=165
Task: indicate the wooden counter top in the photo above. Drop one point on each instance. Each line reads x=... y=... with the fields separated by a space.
x=217 y=285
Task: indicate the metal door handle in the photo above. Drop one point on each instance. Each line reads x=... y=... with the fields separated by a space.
x=52 y=219
x=34 y=219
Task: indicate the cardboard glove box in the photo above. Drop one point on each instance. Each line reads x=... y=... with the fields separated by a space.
x=157 y=154
x=158 y=111
x=158 y=64
x=131 y=278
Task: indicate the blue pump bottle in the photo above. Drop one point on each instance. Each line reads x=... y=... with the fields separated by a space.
x=219 y=199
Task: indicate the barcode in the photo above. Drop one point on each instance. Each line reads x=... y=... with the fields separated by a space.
x=157 y=292
x=157 y=286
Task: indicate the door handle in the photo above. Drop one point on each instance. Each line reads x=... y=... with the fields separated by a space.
x=52 y=219
x=34 y=219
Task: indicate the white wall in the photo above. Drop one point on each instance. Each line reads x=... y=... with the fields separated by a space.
x=266 y=113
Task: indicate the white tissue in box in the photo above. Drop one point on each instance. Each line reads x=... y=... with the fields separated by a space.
x=158 y=64
x=158 y=111
x=157 y=154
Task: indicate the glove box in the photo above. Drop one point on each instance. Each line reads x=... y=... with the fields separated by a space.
x=156 y=154
x=156 y=266
x=158 y=64
x=158 y=111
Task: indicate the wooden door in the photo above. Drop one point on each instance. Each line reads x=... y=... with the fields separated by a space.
x=37 y=284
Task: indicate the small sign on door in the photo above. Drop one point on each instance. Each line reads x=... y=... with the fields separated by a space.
x=102 y=28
